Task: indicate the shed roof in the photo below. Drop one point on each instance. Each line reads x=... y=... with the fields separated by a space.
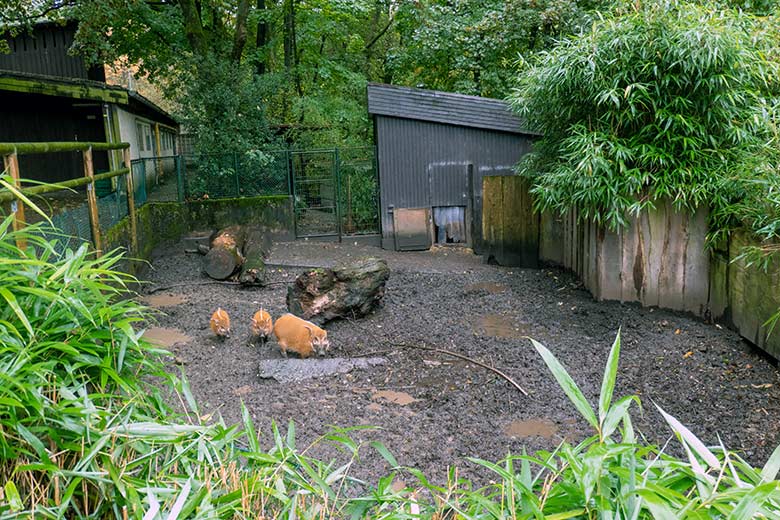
x=443 y=107
x=77 y=88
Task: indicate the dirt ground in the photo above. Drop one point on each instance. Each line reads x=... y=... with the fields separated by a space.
x=432 y=410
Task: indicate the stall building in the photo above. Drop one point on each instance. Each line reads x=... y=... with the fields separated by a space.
x=433 y=148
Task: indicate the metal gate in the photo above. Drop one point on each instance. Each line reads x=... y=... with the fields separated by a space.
x=315 y=193
x=335 y=192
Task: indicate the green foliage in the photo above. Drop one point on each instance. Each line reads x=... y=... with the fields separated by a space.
x=670 y=100
x=471 y=46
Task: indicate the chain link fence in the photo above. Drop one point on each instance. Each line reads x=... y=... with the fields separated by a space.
x=232 y=175
x=345 y=179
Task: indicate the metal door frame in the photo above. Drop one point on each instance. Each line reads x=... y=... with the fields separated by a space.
x=294 y=181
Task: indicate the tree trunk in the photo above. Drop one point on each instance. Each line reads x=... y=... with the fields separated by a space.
x=350 y=291
x=239 y=38
x=263 y=36
x=256 y=248
x=225 y=256
x=193 y=26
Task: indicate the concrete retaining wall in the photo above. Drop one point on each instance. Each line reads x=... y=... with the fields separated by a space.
x=163 y=223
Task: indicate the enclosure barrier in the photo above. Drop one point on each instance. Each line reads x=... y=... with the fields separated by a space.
x=659 y=259
x=10 y=153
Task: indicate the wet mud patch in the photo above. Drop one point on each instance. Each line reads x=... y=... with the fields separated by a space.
x=500 y=326
x=165 y=336
x=531 y=428
x=706 y=376
x=392 y=396
x=161 y=300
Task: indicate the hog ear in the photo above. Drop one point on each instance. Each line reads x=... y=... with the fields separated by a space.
x=311 y=332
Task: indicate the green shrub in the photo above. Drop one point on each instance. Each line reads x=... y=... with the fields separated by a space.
x=667 y=100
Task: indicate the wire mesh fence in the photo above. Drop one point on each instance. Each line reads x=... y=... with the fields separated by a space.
x=232 y=175
x=333 y=191
x=358 y=191
x=156 y=179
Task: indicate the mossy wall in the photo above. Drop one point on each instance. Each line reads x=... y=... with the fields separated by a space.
x=164 y=223
x=660 y=259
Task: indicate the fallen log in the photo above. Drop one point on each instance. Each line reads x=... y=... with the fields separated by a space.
x=256 y=248
x=225 y=258
x=350 y=291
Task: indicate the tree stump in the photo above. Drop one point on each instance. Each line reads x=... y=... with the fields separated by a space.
x=352 y=290
x=256 y=248
x=225 y=258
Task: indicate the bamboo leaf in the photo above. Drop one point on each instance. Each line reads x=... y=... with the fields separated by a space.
x=608 y=382
x=690 y=439
x=14 y=304
x=772 y=466
x=567 y=384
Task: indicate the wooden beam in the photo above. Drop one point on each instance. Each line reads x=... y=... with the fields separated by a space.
x=131 y=205
x=65 y=146
x=11 y=163
x=62 y=89
x=94 y=218
x=6 y=195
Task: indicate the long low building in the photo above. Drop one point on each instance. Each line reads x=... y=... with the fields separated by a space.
x=48 y=95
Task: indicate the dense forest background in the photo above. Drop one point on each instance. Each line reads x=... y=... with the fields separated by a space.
x=245 y=74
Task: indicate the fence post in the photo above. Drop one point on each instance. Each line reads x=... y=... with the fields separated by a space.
x=11 y=163
x=179 y=178
x=235 y=169
x=337 y=168
x=143 y=181
x=94 y=218
x=129 y=182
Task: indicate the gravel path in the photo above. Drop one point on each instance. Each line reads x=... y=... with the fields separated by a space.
x=433 y=410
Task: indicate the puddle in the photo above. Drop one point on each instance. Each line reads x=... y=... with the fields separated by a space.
x=163 y=300
x=164 y=337
x=500 y=326
x=242 y=390
x=492 y=288
x=531 y=428
x=289 y=370
x=392 y=396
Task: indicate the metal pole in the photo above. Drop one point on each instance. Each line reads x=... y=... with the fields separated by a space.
x=235 y=169
x=131 y=204
x=337 y=172
x=179 y=179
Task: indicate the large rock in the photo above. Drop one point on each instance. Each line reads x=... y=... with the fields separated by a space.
x=350 y=291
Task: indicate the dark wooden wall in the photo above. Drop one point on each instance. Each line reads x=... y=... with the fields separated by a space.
x=45 y=52
x=36 y=118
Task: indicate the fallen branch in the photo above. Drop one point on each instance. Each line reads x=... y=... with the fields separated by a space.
x=464 y=358
x=210 y=282
x=496 y=371
x=189 y=284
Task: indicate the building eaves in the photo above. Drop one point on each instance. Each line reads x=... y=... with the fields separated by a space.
x=444 y=107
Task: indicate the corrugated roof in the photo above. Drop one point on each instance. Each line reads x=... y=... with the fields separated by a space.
x=443 y=107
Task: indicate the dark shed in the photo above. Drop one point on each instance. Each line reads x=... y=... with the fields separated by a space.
x=433 y=148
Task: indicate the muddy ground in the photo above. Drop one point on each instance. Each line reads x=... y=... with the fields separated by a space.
x=434 y=410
